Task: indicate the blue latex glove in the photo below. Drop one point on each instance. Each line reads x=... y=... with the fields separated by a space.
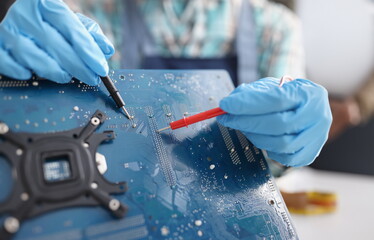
x=290 y=122
x=46 y=38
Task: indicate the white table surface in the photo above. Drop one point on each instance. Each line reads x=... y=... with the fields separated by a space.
x=354 y=218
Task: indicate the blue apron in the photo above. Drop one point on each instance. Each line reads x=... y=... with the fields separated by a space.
x=139 y=48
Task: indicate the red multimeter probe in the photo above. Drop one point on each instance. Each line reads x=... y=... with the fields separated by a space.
x=184 y=122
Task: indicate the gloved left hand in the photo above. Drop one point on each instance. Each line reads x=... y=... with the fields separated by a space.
x=290 y=122
x=45 y=37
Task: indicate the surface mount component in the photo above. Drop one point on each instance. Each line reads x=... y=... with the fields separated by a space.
x=56 y=170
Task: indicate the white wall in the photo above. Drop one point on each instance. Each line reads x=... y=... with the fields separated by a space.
x=339 y=42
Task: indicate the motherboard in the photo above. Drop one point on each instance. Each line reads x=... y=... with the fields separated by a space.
x=72 y=166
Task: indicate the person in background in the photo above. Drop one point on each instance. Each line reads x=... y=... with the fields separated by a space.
x=251 y=39
x=354 y=110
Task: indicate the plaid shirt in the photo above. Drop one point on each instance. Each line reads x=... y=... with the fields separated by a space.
x=211 y=34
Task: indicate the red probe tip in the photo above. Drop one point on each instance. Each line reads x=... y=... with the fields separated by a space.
x=184 y=122
x=163 y=129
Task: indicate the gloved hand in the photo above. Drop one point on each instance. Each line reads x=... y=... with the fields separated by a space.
x=290 y=122
x=47 y=38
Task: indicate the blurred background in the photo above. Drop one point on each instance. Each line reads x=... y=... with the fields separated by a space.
x=339 y=44
x=338 y=36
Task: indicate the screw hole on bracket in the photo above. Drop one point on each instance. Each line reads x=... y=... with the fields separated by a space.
x=271 y=202
x=95 y=121
x=75 y=135
x=30 y=140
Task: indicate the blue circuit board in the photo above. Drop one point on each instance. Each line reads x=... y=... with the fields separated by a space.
x=200 y=182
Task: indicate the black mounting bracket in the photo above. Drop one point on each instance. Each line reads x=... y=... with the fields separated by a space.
x=56 y=170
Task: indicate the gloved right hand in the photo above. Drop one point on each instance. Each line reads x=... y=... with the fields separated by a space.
x=290 y=122
x=46 y=38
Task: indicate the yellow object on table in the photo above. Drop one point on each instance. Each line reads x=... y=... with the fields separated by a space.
x=310 y=203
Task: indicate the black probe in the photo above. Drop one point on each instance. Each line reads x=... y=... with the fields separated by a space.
x=114 y=93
